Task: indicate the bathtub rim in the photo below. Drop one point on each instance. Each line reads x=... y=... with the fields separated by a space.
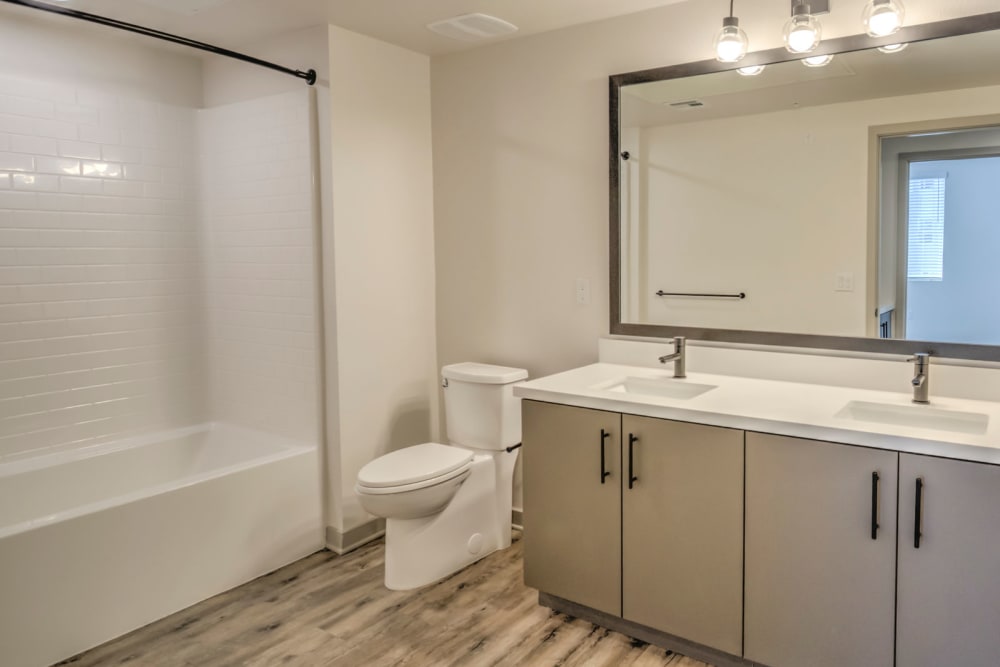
x=285 y=448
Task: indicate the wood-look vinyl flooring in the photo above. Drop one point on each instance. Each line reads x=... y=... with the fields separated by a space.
x=333 y=611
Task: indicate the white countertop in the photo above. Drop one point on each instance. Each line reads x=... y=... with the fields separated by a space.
x=769 y=406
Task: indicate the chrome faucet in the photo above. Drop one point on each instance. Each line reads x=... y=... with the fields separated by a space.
x=921 y=367
x=680 y=345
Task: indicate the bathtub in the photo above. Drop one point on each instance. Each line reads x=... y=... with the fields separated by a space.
x=99 y=541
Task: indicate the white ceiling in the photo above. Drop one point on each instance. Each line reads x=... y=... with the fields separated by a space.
x=237 y=23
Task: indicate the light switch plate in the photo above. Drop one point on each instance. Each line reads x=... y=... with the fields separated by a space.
x=844 y=282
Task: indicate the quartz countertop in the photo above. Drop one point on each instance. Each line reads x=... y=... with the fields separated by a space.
x=810 y=411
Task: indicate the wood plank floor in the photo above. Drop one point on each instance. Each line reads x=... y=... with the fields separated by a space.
x=333 y=611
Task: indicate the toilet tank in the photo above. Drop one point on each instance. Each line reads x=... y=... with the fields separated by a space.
x=480 y=408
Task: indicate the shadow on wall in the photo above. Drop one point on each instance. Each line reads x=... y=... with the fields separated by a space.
x=410 y=424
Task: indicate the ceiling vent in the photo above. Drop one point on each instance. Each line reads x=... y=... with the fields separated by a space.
x=472 y=27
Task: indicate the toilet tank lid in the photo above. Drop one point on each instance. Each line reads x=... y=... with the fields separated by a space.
x=483 y=373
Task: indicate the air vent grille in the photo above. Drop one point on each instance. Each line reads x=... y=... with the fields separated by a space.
x=472 y=27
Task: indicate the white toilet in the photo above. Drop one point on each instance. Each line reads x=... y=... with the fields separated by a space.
x=447 y=506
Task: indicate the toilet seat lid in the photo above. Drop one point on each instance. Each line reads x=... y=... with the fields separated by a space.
x=414 y=464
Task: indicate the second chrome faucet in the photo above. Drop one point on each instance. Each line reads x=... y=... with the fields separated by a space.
x=921 y=370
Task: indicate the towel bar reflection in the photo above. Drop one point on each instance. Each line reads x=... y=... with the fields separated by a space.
x=700 y=295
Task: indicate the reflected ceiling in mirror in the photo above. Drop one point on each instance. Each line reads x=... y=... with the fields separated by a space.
x=768 y=187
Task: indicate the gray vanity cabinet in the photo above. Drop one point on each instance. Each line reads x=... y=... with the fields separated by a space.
x=664 y=551
x=682 y=530
x=819 y=590
x=948 y=608
x=572 y=500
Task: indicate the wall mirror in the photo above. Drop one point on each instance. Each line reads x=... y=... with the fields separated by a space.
x=851 y=206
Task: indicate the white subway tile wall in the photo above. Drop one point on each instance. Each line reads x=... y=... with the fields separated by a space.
x=257 y=214
x=101 y=302
x=126 y=304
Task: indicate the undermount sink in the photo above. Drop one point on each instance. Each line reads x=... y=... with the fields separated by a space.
x=663 y=387
x=915 y=416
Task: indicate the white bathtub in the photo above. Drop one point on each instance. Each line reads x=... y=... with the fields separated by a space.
x=97 y=542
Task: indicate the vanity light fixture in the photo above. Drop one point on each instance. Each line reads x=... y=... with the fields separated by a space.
x=893 y=48
x=802 y=32
x=751 y=70
x=883 y=17
x=731 y=42
x=817 y=61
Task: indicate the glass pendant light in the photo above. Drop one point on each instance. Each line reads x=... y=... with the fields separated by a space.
x=751 y=70
x=883 y=17
x=802 y=32
x=817 y=61
x=731 y=42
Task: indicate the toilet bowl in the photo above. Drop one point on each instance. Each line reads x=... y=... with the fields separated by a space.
x=447 y=506
x=414 y=482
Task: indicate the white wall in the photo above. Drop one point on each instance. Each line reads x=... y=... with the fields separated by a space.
x=382 y=240
x=226 y=81
x=100 y=300
x=257 y=222
x=377 y=241
x=44 y=47
x=520 y=171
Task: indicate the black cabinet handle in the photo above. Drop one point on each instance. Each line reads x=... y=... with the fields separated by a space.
x=604 y=473
x=917 y=513
x=632 y=479
x=875 y=526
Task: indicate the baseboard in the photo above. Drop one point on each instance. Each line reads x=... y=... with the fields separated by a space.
x=340 y=543
x=517 y=519
x=670 y=642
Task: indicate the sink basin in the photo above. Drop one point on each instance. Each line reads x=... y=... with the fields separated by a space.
x=916 y=416
x=663 y=387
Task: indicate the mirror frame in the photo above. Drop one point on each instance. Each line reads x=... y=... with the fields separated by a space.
x=918 y=33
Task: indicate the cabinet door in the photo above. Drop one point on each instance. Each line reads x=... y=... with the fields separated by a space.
x=572 y=506
x=949 y=589
x=682 y=530
x=819 y=590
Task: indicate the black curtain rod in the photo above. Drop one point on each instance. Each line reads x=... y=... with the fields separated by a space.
x=309 y=76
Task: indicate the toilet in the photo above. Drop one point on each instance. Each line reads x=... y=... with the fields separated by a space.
x=447 y=506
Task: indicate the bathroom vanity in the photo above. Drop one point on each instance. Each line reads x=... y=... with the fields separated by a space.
x=748 y=521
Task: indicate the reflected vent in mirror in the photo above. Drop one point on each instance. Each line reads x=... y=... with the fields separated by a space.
x=686 y=104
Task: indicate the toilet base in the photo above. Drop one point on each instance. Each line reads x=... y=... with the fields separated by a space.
x=421 y=551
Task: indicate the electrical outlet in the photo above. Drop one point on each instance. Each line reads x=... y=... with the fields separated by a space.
x=582 y=291
x=844 y=282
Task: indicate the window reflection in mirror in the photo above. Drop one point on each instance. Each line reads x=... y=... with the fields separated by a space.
x=946 y=218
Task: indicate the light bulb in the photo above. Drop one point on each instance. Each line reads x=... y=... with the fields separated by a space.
x=802 y=32
x=817 y=61
x=751 y=70
x=883 y=17
x=731 y=42
x=893 y=48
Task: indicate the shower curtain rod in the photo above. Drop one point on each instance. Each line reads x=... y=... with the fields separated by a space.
x=309 y=76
